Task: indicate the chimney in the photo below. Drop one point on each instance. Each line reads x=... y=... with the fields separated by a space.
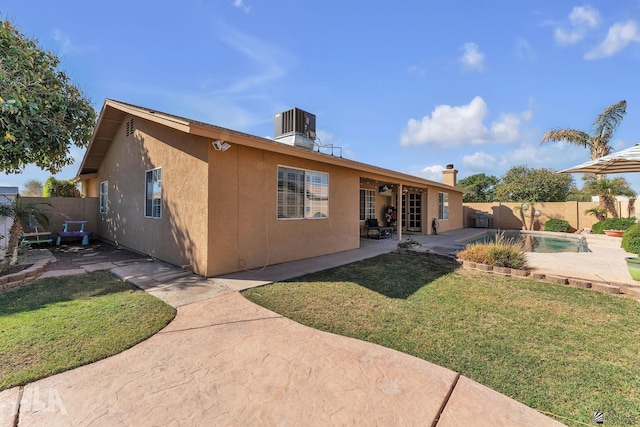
x=449 y=176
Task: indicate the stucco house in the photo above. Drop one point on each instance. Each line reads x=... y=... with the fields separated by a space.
x=216 y=201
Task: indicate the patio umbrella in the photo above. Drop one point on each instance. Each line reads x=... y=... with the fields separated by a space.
x=624 y=161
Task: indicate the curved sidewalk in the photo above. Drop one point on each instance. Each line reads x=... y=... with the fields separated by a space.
x=226 y=361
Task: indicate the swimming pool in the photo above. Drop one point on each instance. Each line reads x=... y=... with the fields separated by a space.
x=542 y=243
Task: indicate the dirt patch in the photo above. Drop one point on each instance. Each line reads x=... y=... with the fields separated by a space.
x=74 y=256
x=14 y=269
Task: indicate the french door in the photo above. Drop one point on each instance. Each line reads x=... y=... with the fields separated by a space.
x=412 y=211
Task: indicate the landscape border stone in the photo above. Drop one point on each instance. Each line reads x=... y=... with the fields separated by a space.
x=28 y=275
x=607 y=288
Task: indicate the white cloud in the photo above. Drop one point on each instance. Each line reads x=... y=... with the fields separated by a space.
x=551 y=156
x=585 y=16
x=619 y=36
x=582 y=19
x=463 y=125
x=507 y=128
x=64 y=41
x=449 y=125
x=472 y=58
x=433 y=173
x=270 y=61
x=415 y=69
x=524 y=50
x=242 y=6
x=479 y=161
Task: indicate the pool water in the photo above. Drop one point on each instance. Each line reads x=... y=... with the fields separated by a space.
x=537 y=242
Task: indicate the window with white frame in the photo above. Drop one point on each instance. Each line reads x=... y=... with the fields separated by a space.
x=443 y=205
x=367 y=204
x=104 y=196
x=302 y=193
x=153 y=193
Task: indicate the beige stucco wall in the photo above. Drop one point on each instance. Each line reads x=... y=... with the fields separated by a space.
x=90 y=187
x=455 y=220
x=245 y=232
x=180 y=236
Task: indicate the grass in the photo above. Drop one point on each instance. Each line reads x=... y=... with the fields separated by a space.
x=564 y=351
x=56 y=324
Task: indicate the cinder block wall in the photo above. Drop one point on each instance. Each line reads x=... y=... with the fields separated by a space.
x=60 y=209
x=507 y=215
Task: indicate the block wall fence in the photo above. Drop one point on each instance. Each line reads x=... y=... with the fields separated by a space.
x=507 y=215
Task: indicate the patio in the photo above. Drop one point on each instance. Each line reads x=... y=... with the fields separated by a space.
x=605 y=263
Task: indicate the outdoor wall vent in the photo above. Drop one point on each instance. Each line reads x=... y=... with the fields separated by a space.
x=129 y=127
x=295 y=127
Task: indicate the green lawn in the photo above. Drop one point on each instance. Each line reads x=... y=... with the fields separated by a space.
x=565 y=351
x=56 y=324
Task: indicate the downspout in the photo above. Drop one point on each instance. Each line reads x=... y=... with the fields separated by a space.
x=399 y=209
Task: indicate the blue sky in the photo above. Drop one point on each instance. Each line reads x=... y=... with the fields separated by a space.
x=408 y=86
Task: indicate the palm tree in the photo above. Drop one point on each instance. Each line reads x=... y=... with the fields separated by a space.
x=21 y=213
x=604 y=126
x=607 y=189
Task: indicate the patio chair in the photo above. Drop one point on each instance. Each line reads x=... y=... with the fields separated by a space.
x=374 y=229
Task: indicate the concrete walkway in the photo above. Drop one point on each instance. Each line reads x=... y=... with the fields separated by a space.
x=226 y=361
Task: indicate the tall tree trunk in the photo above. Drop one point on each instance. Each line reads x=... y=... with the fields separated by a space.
x=15 y=235
x=523 y=219
x=609 y=203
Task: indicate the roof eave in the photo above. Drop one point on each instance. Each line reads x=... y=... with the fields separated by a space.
x=235 y=137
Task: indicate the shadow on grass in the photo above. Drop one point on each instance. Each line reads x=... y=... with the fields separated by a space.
x=44 y=292
x=387 y=274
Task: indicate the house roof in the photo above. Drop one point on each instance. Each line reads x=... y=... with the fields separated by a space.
x=115 y=112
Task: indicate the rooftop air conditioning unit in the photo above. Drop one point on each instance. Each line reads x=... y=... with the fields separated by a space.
x=295 y=127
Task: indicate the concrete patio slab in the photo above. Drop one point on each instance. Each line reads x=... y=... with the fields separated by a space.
x=472 y=404
x=226 y=361
x=89 y=268
x=59 y=273
x=9 y=403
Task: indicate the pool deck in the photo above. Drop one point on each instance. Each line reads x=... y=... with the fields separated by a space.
x=604 y=264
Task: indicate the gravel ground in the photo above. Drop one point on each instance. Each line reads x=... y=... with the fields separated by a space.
x=72 y=256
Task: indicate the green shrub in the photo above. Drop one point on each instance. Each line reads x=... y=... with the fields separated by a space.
x=631 y=239
x=410 y=243
x=502 y=253
x=475 y=252
x=558 y=225
x=597 y=228
x=618 y=223
x=57 y=188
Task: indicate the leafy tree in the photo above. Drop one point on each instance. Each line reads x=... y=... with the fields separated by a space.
x=60 y=188
x=607 y=189
x=483 y=187
x=529 y=185
x=604 y=126
x=32 y=188
x=41 y=112
x=578 y=195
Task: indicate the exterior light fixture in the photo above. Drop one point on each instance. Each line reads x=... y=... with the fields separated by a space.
x=220 y=145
